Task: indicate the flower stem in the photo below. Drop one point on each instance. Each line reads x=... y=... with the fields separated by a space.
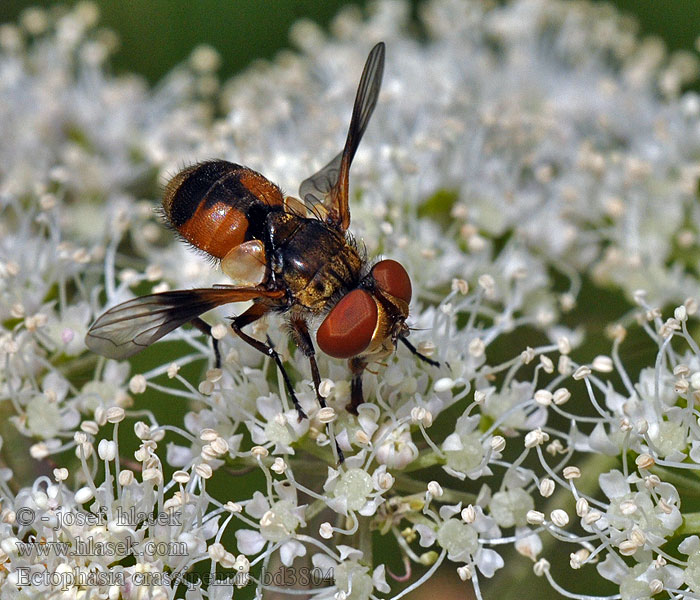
x=406 y=484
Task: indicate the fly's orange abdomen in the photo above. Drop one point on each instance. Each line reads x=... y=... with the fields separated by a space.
x=214 y=204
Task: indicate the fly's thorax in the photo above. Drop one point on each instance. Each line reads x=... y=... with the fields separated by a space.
x=315 y=262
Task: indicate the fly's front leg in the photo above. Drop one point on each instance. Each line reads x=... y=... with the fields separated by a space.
x=303 y=340
x=250 y=316
x=205 y=328
x=415 y=352
x=357 y=367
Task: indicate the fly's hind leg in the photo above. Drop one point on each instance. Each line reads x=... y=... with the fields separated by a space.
x=251 y=315
x=205 y=328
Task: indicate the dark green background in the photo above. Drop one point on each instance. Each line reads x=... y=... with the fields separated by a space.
x=158 y=34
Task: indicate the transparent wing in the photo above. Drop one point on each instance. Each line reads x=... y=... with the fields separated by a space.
x=133 y=325
x=329 y=186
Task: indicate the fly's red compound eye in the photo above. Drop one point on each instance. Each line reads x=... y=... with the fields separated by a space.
x=392 y=278
x=348 y=328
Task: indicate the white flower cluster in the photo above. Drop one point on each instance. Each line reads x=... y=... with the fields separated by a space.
x=518 y=152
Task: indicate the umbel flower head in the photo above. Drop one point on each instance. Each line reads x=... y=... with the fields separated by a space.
x=532 y=164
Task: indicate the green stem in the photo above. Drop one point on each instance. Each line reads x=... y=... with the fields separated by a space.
x=425 y=460
x=314 y=509
x=691 y=524
x=365 y=540
x=677 y=479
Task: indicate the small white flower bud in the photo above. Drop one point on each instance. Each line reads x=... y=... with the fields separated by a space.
x=571 y=472
x=83 y=495
x=487 y=283
x=142 y=430
x=137 y=384
x=107 y=450
x=546 y=487
x=564 y=365
x=203 y=470
x=576 y=559
x=628 y=507
x=695 y=380
x=461 y=286
x=115 y=414
x=327 y=415
x=279 y=466
x=681 y=370
x=628 y=548
x=477 y=347
x=479 y=397
x=173 y=370
x=444 y=384
x=637 y=536
x=559 y=517
x=153 y=475
x=216 y=552
x=89 y=427
x=644 y=461
x=361 y=437
x=680 y=314
x=208 y=434
x=464 y=572
x=555 y=447
x=582 y=372
x=468 y=514
x=543 y=397
x=214 y=375
x=527 y=355
x=181 y=477
x=39 y=450
x=435 y=489
x=385 y=481
x=60 y=474
x=547 y=364
x=534 y=517
x=651 y=481
x=592 y=517
x=326 y=530
x=541 y=567
x=219 y=446
x=326 y=387
x=126 y=478
x=206 y=388
x=561 y=396
x=564 y=345
x=602 y=364
x=498 y=443
x=536 y=437
x=681 y=386
x=259 y=451
x=639 y=296
x=582 y=507
x=656 y=586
